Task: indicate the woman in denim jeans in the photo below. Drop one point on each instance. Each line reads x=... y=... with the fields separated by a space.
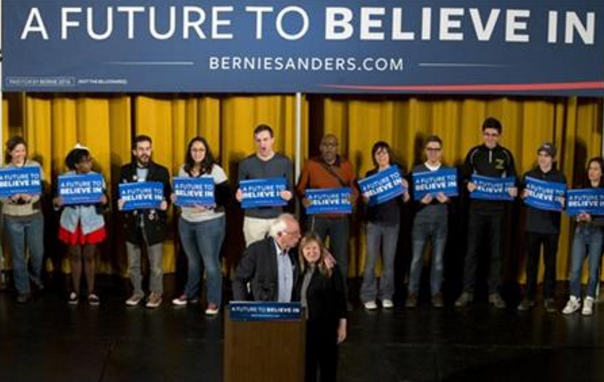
x=383 y=221
x=588 y=239
x=202 y=228
x=82 y=229
x=23 y=224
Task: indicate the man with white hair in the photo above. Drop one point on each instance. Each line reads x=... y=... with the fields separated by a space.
x=271 y=264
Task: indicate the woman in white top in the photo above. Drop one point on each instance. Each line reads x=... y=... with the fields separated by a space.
x=24 y=224
x=202 y=228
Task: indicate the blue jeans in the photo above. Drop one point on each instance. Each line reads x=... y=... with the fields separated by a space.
x=22 y=231
x=424 y=230
x=588 y=240
x=202 y=242
x=338 y=230
x=387 y=236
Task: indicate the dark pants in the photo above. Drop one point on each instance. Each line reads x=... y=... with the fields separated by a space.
x=338 y=231
x=321 y=351
x=550 y=249
x=482 y=225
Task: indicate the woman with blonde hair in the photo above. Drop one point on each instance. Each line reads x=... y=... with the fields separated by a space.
x=321 y=290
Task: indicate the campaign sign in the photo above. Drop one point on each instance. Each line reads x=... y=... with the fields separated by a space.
x=265 y=311
x=329 y=201
x=23 y=180
x=383 y=186
x=194 y=191
x=262 y=192
x=492 y=188
x=434 y=182
x=81 y=189
x=544 y=195
x=141 y=195
x=588 y=200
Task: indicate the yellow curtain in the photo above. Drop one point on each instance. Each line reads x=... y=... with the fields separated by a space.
x=52 y=125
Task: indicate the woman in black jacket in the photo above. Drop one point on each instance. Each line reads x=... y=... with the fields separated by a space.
x=321 y=291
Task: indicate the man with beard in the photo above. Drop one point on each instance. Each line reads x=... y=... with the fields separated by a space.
x=145 y=228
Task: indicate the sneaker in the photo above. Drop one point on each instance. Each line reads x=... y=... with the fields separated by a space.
x=573 y=305
x=370 y=305
x=387 y=303
x=496 y=300
x=464 y=300
x=154 y=300
x=134 y=300
x=438 y=301
x=23 y=298
x=411 y=301
x=180 y=300
x=550 y=305
x=93 y=300
x=588 y=307
x=73 y=299
x=525 y=305
x=212 y=309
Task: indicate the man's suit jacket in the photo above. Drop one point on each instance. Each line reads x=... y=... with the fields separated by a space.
x=259 y=266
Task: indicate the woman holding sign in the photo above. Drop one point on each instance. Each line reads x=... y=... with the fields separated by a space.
x=383 y=221
x=81 y=226
x=588 y=240
x=202 y=226
x=24 y=222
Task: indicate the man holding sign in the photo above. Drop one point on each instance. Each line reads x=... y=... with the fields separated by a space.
x=330 y=170
x=263 y=165
x=145 y=227
x=542 y=229
x=486 y=216
x=430 y=224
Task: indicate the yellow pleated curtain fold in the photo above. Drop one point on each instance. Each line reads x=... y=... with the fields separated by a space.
x=106 y=124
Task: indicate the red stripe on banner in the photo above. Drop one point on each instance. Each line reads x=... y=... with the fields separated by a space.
x=496 y=87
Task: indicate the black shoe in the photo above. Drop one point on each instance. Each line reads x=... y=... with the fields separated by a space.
x=23 y=298
x=550 y=305
x=525 y=305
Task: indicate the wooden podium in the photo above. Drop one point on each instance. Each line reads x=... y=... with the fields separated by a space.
x=265 y=347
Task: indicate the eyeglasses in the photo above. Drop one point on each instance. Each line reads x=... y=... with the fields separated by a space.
x=493 y=135
x=433 y=149
x=295 y=233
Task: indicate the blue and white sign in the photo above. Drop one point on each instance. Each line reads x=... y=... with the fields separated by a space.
x=492 y=188
x=383 y=186
x=194 y=191
x=81 y=189
x=23 y=180
x=545 y=195
x=545 y=47
x=435 y=182
x=588 y=200
x=262 y=192
x=141 y=195
x=329 y=201
x=264 y=311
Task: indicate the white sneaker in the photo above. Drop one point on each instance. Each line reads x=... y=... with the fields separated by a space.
x=370 y=305
x=588 y=307
x=573 y=305
x=387 y=304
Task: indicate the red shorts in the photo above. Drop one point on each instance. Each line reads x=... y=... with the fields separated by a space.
x=78 y=237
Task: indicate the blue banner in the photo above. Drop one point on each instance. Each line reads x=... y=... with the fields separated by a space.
x=492 y=188
x=383 y=186
x=192 y=192
x=141 y=195
x=262 y=192
x=546 y=47
x=545 y=195
x=264 y=311
x=23 y=180
x=588 y=200
x=81 y=189
x=329 y=201
x=435 y=182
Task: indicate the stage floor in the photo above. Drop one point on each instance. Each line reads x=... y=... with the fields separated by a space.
x=47 y=340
